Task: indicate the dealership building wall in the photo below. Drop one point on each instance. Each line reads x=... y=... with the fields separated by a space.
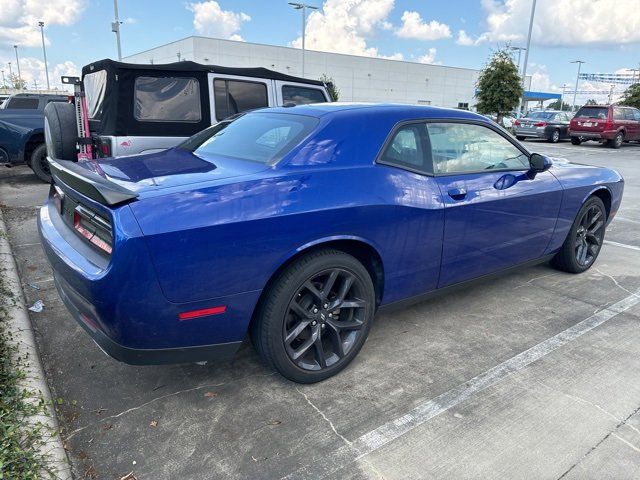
x=364 y=79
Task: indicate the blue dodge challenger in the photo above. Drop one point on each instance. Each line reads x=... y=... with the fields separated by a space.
x=296 y=225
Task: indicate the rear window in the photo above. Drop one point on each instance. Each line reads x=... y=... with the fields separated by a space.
x=542 y=115
x=301 y=95
x=593 y=112
x=258 y=137
x=235 y=96
x=167 y=99
x=95 y=86
x=23 y=103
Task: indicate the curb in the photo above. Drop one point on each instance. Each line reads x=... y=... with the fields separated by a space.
x=35 y=380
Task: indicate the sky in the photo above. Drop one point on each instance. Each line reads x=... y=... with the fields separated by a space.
x=604 y=33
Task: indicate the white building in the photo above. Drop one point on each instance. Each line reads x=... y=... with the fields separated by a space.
x=365 y=79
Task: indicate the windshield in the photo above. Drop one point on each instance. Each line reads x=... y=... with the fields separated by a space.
x=258 y=137
x=542 y=115
x=593 y=112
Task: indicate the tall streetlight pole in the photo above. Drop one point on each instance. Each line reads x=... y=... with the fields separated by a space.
x=303 y=7
x=564 y=85
x=575 y=90
x=18 y=63
x=526 y=53
x=115 y=28
x=44 y=53
x=519 y=49
x=4 y=83
x=10 y=71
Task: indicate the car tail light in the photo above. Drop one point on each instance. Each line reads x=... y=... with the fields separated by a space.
x=57 y=196
x=541 y=124
x=94 y=228
x=517 y=123
x=608 y=125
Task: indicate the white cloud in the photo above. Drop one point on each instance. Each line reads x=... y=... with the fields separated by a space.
x=429 y=57
x=32 y=71
x=19 y=19
x=464 y=39
x=413 y=26
x=567 y=23
x=344 y=26
x=209 y=19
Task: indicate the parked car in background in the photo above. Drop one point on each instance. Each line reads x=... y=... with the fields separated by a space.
x=552 y=125
x=610 y=124
x=142 y=108
x=21 y=130
x=298 y=224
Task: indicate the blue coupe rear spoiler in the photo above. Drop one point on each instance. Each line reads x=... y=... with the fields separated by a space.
x=89 y=183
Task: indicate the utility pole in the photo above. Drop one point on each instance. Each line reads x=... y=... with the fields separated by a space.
x=575 y=91
x=44 y=53
x=526 y=54
x=115 y=28
x=564 y=85
x=4 y=83
x=178 y=55
x=18 y=63
x=610 y=93
x=303 y=7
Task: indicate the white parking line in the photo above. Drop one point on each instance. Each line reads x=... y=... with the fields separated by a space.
x=626 y=220
x=390 y=431
x=623 y=245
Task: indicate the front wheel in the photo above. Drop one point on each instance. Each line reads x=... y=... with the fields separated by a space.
x=315 y=317
x=39 y=163
x=584 y=241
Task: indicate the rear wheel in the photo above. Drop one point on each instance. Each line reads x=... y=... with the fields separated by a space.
x=555 y=136
x=39 y=163
x=315 y=317
x=520 y=139
x=575 y=141
x=616 y=142
x=583 y=244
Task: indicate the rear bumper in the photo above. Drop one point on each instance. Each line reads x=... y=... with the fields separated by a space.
x=530 y=132
x=606 y=135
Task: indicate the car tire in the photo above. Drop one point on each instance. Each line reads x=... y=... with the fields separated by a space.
x=584 y=241
x=296 y=322
x=616 y=142
x=60 y=130
x=39 y=163
x=520 y=139
x=555 y=136
x=575 y=141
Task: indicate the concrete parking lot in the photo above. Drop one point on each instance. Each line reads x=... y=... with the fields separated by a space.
x=532 y=375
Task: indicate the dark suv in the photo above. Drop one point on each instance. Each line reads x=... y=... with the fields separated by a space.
x=605 y=123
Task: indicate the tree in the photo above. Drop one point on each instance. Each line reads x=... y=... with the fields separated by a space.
x=17 y=82
x=499 y=86
x=334 y=92
x=631 y=96
x=556 y=105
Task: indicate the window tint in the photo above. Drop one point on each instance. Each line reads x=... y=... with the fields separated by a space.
x=301 y=95
x=618 y=113
x=628 y=114
x=636 y=114
x=235 y=96
x=593 y=112
x=23 y=103
x=259 y=137
x=459 y=148
x=167 y=99
x=406 y=148
x=95 y=86
x=541 y=115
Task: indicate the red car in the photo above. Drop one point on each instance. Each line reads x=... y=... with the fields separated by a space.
x=605 y=123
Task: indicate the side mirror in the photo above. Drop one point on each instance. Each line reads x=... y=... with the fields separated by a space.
x=539 y=163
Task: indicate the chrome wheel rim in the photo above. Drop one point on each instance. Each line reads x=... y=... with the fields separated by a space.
x=324 y=319
x=589 y=235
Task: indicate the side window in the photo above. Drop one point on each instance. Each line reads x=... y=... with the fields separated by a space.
x=235 y=96
x=23 y=103
x=301 y=95
x=628 y=114
x=618 y=113
x=461 y=148
x=636 y=114
x=406 y=148
x=167 y=99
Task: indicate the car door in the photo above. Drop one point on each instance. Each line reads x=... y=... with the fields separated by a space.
x=563 y=121
x=497 y=215
x=231 y=94
x=632 y=117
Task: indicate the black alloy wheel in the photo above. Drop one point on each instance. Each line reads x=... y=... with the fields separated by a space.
x=324 y=319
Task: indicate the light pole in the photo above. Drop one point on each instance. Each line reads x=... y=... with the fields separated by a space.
x=44 y=53
x=526 y=53
x=575 y=91
x=4 y=83
x=115 y=28
x=303 y=7
x=519 y=49
x=564 y=85
x=10 y=71
x=18 y=63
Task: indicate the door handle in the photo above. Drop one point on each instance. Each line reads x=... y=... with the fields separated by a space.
x=457 y=193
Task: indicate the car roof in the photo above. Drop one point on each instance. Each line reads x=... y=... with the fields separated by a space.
x=379 y=109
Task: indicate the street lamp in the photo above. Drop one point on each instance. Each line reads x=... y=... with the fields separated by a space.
x=526 y=53
x=564 y=85
x=303 y=7
x=115 y=28
x=10 y=71
x=519 y=49
x=575 y=91
x=18 y=63
x=44 y=53
x=4 y=83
